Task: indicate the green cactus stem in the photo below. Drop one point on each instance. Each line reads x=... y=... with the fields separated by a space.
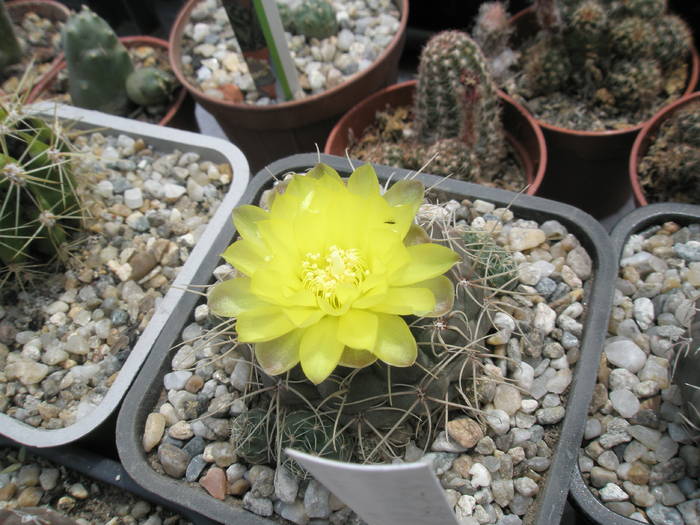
x=10 y=50
x=314 y=19
x=98 y=64
x=149 y=86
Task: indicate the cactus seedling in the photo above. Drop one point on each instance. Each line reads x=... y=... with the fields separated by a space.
x=10 y=51
x=314 y=19
x=98 y=64
x=149 y=86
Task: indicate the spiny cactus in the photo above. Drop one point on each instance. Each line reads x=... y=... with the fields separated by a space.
x=687 y=374
x=621 y=50
x=39 y=199
x=98 y=64
x=314 y=19
x=369 y=414
x=456 y=98
x=668 y=171
x=10 y=51
x=149 y=86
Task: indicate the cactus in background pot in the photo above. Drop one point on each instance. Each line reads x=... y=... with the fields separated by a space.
x=313 y=19
x=357 y=297
x=39 y=198
x=149 y=86
x=10 y=51
x=98 y=64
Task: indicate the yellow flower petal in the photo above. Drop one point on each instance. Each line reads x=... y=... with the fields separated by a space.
x=406 y=300
x=230 y=298
x=320 y=350
x=246 y=219
x=353 y=358
x=358 y=329
x=279 y=355
x=303 y=317
x=363 y=181
x=245 y=256
x=326 y=175
x=395 y=343
x=405 y=193
x=427 y=261
x=262 y=324
x=416 y=235
x=444 y=292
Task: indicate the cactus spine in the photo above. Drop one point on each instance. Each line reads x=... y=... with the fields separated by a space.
x=10 y=51
x=98 y=64
x=39 y=202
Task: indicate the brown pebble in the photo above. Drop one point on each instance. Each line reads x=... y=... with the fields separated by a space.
x=464 y=431
x=194 y=384
x=239 y=487
x=232 y=93
x=214 y=482
x=671 y=227
x=638 y=473
x=7 y=491
x=141 y=263
x=29 y=497
x=462 y=465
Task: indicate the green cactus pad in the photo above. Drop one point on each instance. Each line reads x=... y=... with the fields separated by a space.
x=149 y=86
x=314 y=19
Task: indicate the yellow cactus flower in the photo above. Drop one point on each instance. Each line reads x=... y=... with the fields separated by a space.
x=328 y=272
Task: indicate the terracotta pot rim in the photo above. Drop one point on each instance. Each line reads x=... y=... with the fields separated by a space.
x=640 y=146
x=175 y=40
x=537 y=176
x=128 y=41
x=693 y=77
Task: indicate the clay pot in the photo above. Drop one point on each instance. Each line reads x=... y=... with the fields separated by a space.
x=46 y=9
x=266 y=133
x=583 y=163
x=522 y=132
x=644 y=140
x=181 y=112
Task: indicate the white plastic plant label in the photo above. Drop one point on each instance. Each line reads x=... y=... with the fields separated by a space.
x=401 y=494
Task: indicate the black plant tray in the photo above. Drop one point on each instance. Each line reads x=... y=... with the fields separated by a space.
x=638 y=220
x=552 y=497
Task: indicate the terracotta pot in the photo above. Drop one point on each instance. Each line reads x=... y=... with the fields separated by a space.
x=50 y=9
x=266 y=133
x=581 y=163
x=522 y=132
x=644 y=140
x=181 y=112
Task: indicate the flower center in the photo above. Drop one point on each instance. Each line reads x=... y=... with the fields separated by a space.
x=323 y=274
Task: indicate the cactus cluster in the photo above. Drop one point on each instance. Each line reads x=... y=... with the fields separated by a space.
x=370 y=414
x=39 y=198
x=312 y=18
x=10 y=51
x=669 y=169
x=686 y=374
x=101 y=74
x=614 y=56
x=456 y=126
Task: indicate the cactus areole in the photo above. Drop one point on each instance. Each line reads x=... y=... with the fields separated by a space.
x=329 y=271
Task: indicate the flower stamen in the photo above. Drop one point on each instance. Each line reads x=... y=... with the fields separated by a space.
x=323 y=275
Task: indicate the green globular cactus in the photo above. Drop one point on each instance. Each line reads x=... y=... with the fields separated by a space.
x=149 y=86
x=39 y=196
x=250 y=433
x=546 y=67
x=10 y=50
x=634 y=83
x=687 y=376
x=98 y=64
x=645 y=8
x=587 y=26
x=631 y=38
x=672 y=38
x=314 y=19
x=493 y=262
x=456 y=98
x=450 y=157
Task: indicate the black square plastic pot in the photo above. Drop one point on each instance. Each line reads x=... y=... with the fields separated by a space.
x=147 y=388
x=636 y=221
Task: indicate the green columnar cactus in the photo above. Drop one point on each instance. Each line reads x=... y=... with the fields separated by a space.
x=149 y=86
x=314 y=19
x=687 y=374
x=98 y=64
x=456 y=98
x=10 y=51
x=39 y=202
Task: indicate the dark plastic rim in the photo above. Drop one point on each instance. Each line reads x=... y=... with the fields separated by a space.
x=635 y=221
x=550 y=504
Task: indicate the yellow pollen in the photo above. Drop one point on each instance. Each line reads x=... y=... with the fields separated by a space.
x=323 y=274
